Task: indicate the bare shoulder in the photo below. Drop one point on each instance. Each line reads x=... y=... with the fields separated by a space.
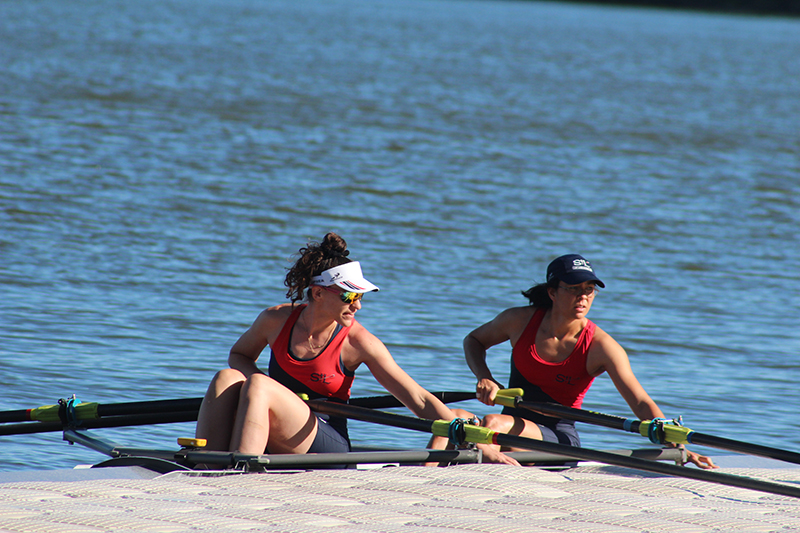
x=264 y=330
x=507 y=325
x=273 y=317
x=514 y=320
x=604 y=341
x=604 y=352
x=518 y=313
x=513 y=316
x=361 y=339
x=362 y=346
x=282 y=310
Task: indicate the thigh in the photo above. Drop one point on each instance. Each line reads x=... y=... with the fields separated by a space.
x=513 y=425
x=276 y=412
x=215 y=419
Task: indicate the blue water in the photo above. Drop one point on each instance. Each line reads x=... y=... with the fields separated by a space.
x=161 y=161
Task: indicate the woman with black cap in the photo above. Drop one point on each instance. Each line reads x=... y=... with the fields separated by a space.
x=316 y=348
x=556 y=354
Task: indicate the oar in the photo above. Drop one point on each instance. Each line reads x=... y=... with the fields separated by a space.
x=657 y=431
x=93 y=410
x=90 y=415
x=481 y=435
x=144 y=419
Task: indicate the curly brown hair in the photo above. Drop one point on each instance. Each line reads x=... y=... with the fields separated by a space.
x=315 y=258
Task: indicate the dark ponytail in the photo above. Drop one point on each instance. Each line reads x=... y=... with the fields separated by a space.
x=315 y=258
x=538 y=295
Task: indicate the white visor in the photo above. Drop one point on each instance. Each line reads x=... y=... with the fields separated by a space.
x=347 y=276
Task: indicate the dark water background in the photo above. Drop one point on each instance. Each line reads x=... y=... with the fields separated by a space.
x=160 y=162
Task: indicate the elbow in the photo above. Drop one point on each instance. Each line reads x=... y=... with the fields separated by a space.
x=471 y=343
x=469 y=339
x=236 y=359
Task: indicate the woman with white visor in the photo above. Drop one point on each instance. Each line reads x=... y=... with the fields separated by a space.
x=316 y=347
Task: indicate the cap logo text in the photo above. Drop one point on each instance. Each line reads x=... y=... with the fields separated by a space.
x=581 y=264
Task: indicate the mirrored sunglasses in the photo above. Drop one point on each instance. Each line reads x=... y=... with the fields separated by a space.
x=346 y=296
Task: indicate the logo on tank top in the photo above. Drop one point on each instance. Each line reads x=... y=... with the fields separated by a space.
x=318 y=377
x=561 y=378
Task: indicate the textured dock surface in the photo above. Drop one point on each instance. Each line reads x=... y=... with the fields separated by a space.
x=467 y=498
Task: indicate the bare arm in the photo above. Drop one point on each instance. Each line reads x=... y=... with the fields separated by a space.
x=508 y=325
x=382 y=365
x=421 y=402
x=614 y=360
x=247 y=349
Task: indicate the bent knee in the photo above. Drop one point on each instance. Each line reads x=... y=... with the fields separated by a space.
x=260 y=381
x=261 y=385
x=225 y=382
x=499 y=423
x=228 y=377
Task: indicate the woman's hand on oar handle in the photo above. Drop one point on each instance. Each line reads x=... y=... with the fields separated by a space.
x=507 y=397
x=486 y=390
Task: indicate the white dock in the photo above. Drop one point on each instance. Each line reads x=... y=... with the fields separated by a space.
x=466 y=498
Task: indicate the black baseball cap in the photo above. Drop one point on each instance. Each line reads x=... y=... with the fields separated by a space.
x=572 y=269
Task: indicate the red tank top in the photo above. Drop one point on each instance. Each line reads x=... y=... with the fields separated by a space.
x=565 y=381
x=324 y=374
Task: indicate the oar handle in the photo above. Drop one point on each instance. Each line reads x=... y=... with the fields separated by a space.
x=508 y=397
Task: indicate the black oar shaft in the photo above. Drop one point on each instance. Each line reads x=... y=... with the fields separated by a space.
x=584 y=454
x=156 y=406
x=744 y=447
x=368 y=415
x=112 y=409
x=388 y=401
x=18 y=415
x=581 y=415
x=144 y=419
